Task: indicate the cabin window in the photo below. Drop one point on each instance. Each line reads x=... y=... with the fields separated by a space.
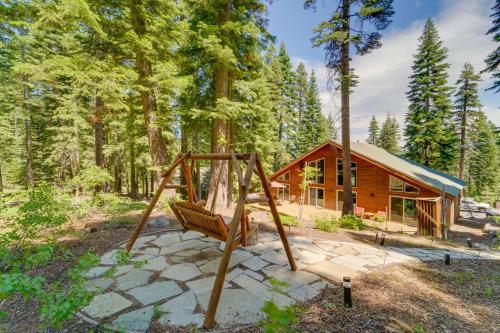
x=411 y=189
x=285 y=176
x=284 y=193
x=404 y=210
x=395 y=184
x=318 y=176
x=354 y=176
x=316 y=196
x=340 y=199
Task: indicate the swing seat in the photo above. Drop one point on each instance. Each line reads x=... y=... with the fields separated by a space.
x=193 y=216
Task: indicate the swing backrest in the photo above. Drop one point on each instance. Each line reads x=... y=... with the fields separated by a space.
x=197 y=218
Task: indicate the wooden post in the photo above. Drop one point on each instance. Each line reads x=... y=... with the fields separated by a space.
x=226 y=255
x=276 y=215
x=189 y=182
x=167 y=175
x=437 y=217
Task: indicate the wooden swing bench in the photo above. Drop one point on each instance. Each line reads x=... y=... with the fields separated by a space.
x=193 y=216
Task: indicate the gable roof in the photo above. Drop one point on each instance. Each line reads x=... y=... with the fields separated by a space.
x=413 y=170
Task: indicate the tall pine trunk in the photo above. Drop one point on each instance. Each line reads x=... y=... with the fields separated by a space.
x=28 y=139
x=133 y=173
x=219 y=177
x=463 y=124
x=98 y=134
x=347 y=208
x=157 y=147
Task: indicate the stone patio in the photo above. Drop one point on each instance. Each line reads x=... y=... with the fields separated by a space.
x=169 y=277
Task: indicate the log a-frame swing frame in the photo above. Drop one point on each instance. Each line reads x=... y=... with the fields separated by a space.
x=253 y=166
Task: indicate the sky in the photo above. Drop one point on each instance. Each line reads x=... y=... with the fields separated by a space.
x=383 y=74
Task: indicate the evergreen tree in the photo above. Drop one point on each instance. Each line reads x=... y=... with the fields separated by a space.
x=316 y=122
x=302 y=109
x=466 y=108
x=493 y=59
x=483 y=161
x=429 y=132
x=287 y=111
x=389 y=135
x=373 y=132
x=337 y=34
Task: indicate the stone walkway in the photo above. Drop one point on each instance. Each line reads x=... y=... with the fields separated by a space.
x=169 y=277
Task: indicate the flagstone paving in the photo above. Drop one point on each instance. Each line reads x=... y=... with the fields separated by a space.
x=169 y=277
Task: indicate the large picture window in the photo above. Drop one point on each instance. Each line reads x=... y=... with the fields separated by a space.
x=316 y=196
x=340 y=199
x=285 y=176
x=340 y=176
x=318 y=176
x=397 y=185
x=404 y=210
x=284 y=193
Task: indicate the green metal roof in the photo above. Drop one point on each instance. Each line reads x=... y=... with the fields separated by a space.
x=411 y=169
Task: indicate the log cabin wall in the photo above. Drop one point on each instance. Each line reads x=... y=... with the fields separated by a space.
x=372 y=188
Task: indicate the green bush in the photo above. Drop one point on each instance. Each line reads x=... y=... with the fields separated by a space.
x=41 y=213
x=287 y=220
x=326 y=223
x=351 y=222
x=110 y=203
x=89 y=178
x=278 y=319
x=379 y=218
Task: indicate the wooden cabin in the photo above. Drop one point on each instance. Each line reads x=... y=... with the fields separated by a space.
x=406 y=191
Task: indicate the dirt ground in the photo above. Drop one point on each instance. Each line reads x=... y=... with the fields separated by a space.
x=463 y=297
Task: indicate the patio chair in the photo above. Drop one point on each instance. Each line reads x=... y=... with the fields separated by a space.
x=382 y=213
x=359 y=212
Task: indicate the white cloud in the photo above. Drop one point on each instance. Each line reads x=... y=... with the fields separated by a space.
x=383 y=74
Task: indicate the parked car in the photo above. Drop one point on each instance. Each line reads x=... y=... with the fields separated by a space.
x=469 y=204
x=492 y=212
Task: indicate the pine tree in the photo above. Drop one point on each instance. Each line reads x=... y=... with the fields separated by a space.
x=337 y=34
x=287 y=111
x=373 y=132
x=301 y=139
x=466 y=108
x=493 y=59
x=429 y=132
x=483 y=161
x=389 y=135
x=316 y=122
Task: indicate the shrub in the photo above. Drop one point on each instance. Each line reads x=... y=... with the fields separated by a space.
x=379 y=218
x=91 y=177
x=278 y=319
x=42 y=212
x=287 y=220
x=351 y=222
x=326 y=223
x=113 y=204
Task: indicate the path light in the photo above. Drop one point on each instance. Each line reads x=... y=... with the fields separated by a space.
x=347 y=292
x=469 y=242
x=376 y=238
x=382 y=240
x=447 y=257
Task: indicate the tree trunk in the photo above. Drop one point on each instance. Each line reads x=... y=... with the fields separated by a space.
x=98 y=134
x=28 y=139
x=218 y=188
x=133 y=174
x=463 y=123
x=346 y=137
x=157 y=146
